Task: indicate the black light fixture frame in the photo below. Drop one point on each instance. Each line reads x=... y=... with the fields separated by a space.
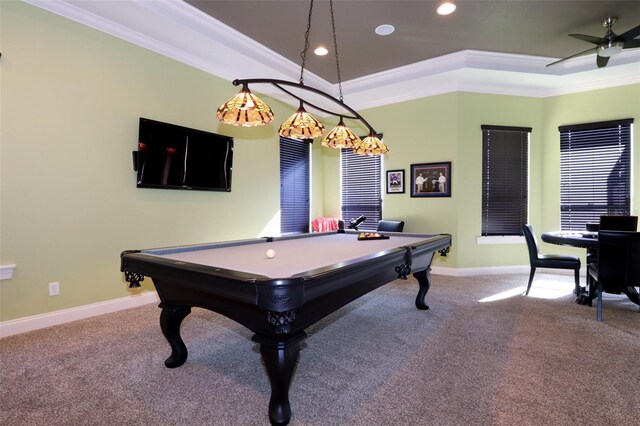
x=280 y=83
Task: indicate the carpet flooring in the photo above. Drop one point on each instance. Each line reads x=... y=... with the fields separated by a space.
x=483 y=354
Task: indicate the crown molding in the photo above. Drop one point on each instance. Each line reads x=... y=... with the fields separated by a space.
x=182 y=32
x=492 y=73
x=232 y=39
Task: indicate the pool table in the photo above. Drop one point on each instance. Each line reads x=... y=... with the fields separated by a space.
x=310 y=276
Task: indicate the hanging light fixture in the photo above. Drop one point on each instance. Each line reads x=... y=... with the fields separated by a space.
x=301 y=125
x=371 y=145
x=341 y=137
x=245 y=109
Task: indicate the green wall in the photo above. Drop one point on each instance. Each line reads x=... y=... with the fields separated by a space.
x=447 y=128
x=598 y=105
x=69 y=106
x=474 y=111
x=421 y=131
x=70 y=102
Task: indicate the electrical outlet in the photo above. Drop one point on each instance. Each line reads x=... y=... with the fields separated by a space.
x=54 y=289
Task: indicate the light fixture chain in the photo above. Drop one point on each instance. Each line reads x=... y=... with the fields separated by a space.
x=303 y=54
x=335 y=48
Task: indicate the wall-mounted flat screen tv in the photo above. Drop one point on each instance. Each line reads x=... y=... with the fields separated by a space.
x=176 y=157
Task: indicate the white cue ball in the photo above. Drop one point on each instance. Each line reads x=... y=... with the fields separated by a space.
x=271 y=253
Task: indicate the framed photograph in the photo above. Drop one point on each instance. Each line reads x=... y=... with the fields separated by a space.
x=431 y=180
x=395 y=181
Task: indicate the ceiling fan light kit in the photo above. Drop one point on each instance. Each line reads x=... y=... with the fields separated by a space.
x=610 y=49
x=609 y=45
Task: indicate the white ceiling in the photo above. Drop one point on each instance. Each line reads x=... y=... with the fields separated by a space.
x=180 y=31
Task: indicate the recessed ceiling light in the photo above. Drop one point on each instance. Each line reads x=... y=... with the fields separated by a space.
x=321 y=51
x=385 y=29
x=446 y=8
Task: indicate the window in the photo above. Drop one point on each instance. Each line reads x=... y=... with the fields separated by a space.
x=361 y=188
x=294 y=186
x=595 y=172
x=505 y=179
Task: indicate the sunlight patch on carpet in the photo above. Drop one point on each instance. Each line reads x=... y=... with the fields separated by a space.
x=540 y=289
x=504 y=294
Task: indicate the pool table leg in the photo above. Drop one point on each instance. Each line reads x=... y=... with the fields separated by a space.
x=424 y=279
x=280 y=360
x=170 y=320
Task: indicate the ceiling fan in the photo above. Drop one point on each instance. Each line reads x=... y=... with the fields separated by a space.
x=607 y=46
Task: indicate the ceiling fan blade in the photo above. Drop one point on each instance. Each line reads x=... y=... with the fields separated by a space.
x=586 y=52
x=589 y=39
x=630 y=35
x=602 y=61
x=631 y=44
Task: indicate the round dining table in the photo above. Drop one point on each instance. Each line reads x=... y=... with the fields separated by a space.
x=589 y=241
x=584 y=239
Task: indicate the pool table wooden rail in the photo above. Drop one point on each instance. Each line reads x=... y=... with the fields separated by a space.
x=192 y=284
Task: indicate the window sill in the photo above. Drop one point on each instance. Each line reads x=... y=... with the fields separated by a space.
x=500 y=239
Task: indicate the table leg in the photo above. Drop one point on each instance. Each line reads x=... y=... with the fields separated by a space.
x=280 y=360
x=424 y=279
x=170 y=320
x=632 y=294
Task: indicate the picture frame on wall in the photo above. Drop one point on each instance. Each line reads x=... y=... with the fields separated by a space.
x=395 y=181
x=431 y=179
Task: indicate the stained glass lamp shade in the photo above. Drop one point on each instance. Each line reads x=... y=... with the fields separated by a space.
x=301 y=125
x=371 y=145
x=341 y=137
x=245 y=109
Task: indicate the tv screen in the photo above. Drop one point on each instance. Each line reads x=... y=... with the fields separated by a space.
x=176 y=157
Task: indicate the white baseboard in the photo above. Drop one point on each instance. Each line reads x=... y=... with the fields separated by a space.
x=484 y=270
x=499 y=270
x=36 y=322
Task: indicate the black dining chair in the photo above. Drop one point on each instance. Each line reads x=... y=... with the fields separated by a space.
x=555 y=261
x=390 y=226
x=618 y=223
x=618 y=267
x=613 y=223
